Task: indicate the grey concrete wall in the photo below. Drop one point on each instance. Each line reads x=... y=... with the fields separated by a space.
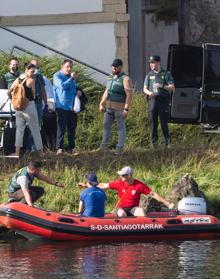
x=158 y=36
x=147 y=37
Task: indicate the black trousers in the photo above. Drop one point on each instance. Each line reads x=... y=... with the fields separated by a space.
x=35 y=191
x=159 y=108
x=66 y=119
x=49 y=130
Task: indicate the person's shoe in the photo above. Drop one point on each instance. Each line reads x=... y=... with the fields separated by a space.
x=118 y=151
x=102 y=148
x=59 y=151
x=39 y=153
x=154 y=145
x=75 y=152
x=168 y=146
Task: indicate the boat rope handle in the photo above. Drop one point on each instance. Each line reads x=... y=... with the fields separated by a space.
x=191 y=211
x=121 y=198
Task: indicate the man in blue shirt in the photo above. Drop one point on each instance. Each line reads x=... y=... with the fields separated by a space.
x=92 y=200
x=64 y=87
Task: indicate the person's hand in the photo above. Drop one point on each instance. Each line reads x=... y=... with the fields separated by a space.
x=125 y=113
x=151 y=95
x=101 y=108
x=81 y=184
x=60 y=185
x=45 y=109
x=79 y=93
x=73 y=75
x=171 y=205
x=158 y=85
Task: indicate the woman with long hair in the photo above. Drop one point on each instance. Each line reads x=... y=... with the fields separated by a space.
x=29 y=114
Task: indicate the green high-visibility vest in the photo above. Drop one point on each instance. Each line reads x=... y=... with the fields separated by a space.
x=14 y=186
x=115 y=87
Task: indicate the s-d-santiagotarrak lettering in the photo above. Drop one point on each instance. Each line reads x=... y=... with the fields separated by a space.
x=131 y=227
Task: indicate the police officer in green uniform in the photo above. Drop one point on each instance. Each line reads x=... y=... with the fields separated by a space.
x=20 y=188
x=158 y=85
x=115 y=103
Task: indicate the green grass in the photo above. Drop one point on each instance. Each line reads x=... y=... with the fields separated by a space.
x=192 y=152
x=160 y=169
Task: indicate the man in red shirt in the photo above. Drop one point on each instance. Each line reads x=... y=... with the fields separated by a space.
x=129 y=193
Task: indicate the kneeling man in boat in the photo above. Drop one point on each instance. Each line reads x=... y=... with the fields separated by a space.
x=92 y=200
x=20 y=188
x=129 y=193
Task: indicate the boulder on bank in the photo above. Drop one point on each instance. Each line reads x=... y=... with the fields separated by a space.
x=185 y=187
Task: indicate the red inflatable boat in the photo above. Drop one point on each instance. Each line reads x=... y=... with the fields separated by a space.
x=33 y=222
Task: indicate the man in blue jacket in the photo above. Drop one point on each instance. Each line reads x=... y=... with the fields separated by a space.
x=64 y=86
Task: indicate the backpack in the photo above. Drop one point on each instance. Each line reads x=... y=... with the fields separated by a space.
x=19 y=100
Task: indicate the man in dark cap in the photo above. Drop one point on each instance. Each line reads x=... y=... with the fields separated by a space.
x=92 y=200
x=158 y=85
x=115 y=103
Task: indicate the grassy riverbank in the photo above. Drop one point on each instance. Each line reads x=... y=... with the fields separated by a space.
x=191 y=152
x=158 y=168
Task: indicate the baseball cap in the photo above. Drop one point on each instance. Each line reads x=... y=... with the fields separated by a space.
x=126 y=170
x=117 y=63
x=92 y=178
x=154 y=58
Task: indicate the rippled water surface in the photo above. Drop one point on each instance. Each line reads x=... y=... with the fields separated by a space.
x=186 y=259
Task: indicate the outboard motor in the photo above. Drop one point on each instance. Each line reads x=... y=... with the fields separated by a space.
x=192 y=205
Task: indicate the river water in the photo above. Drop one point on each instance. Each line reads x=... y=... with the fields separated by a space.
x=153 y=260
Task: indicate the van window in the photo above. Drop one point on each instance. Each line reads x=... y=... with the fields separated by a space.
x=185 y=64
x=212 y=75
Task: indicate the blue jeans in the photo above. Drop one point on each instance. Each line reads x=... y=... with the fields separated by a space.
x=109 y=116
x=39 y=107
